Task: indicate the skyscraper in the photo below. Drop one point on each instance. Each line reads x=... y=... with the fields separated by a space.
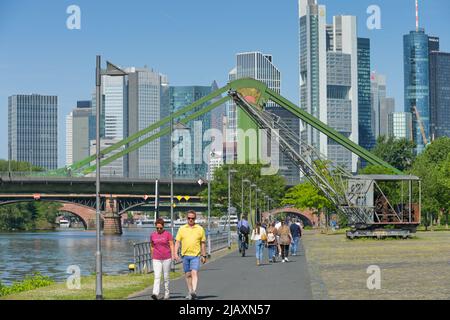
x=329 y=79
x=378 y=94
x=387 y=106
x=32 y=129
x=313 y=69
x=366 y=136
x=80 y=129
x=440 y=94
x=114 y=120
x=260 y=66
x=145 y=106
x=192 y=166
x=417 y=84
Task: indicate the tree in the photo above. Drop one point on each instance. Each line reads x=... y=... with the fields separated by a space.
x=397 y=152
x=432 y=166
x=274 y=186
x=306 y=196
x=18 y=166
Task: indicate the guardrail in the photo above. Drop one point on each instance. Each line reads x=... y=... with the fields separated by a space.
x=143 y=260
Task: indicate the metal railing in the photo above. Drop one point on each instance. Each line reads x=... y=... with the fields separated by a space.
x=143 y=259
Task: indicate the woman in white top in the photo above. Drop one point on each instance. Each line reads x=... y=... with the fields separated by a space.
x=260 y=237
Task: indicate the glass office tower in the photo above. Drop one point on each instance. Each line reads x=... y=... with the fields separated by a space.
x=417 y=85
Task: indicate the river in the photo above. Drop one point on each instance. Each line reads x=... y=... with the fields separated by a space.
x=51 y=253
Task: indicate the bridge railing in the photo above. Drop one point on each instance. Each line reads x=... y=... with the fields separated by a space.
x=143 y=258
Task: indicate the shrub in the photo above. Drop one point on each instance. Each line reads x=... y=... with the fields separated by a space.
x=29 y=283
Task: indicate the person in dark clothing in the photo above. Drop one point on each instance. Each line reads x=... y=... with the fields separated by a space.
x=296 y=232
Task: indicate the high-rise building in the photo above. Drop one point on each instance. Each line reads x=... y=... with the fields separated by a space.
x=417 y=84
x=33 y=129
x=189 y=164
x=80 y=129
x=366 y=136
x=329 y=79
x=440 y=94
x=313 y=69
x=387 y=106
x=114 y=119
x=378 y=94
x=260 y=66
x=400 y=125
x=146 y=105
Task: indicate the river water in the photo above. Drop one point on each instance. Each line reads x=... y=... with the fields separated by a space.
x=51 y=253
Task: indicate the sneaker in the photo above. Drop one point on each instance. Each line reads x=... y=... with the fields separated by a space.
x=274 y=260
x=287 y=260
x=189 y=296
x=167 y=296
x=193 y=296
x=154 y=297
x=283 y=261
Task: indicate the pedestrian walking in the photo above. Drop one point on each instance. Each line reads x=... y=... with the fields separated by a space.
x=259 y=235
x=285 y=240
x=162 y=253
x=272 y=242
x=296 y=233
x=192 y=239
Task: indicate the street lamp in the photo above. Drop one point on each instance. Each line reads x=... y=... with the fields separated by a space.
x=242 y=194
x=252 y=186
x=256 y=205
x=230 y=171
x=111 y=70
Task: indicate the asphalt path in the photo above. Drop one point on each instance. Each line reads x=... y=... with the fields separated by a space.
x=233 y=277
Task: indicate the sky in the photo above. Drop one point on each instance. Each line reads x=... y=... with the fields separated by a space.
x=193 y=42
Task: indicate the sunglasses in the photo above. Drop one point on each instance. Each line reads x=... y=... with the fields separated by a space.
x=191 y=218
x=159 y=228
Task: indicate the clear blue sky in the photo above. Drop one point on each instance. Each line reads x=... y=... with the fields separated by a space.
x=193 y=42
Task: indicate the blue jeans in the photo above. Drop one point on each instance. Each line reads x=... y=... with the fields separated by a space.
x=272 y=251
x=259 y=249
x=294 y=246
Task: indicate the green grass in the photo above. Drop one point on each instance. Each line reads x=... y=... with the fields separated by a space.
x=114 y=288
x=416 y=268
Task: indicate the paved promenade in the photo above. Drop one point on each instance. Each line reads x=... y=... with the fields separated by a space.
x=233 y=277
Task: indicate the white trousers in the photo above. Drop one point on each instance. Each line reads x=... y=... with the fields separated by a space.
x=159 y=267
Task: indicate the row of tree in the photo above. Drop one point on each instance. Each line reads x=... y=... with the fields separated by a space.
x=26 y=216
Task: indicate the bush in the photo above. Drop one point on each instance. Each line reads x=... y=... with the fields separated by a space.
x=29 y=283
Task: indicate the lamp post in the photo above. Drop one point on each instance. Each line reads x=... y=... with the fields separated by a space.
x=252 y=186
x=230 y=171
x=111 y=70
x=256 y=204
x=242 y=194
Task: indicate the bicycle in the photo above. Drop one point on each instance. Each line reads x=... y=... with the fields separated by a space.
x=243 y=243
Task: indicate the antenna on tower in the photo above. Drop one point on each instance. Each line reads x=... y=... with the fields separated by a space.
x=417 y=15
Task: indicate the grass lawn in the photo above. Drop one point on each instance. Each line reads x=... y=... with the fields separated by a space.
x=417 y=268
x=114 y=287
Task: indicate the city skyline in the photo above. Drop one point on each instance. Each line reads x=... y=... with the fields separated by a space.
x=55 y=68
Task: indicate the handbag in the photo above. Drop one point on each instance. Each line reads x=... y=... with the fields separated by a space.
x=264 y=236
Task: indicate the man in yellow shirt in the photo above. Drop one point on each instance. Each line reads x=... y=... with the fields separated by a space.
x=193 y=245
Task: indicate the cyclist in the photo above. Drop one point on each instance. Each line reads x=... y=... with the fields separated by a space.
x=243 y=229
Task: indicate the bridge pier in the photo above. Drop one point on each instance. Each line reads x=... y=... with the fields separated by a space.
x=112 y=220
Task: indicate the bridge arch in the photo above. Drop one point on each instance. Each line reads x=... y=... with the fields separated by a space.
x=307 y=216
x=86 y=214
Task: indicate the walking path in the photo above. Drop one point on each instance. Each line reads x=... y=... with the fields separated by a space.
x=233 y=277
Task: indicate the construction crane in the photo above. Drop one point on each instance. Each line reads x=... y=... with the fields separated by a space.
x=422 y=129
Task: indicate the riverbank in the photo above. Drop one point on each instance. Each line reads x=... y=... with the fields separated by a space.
x=417 y=268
